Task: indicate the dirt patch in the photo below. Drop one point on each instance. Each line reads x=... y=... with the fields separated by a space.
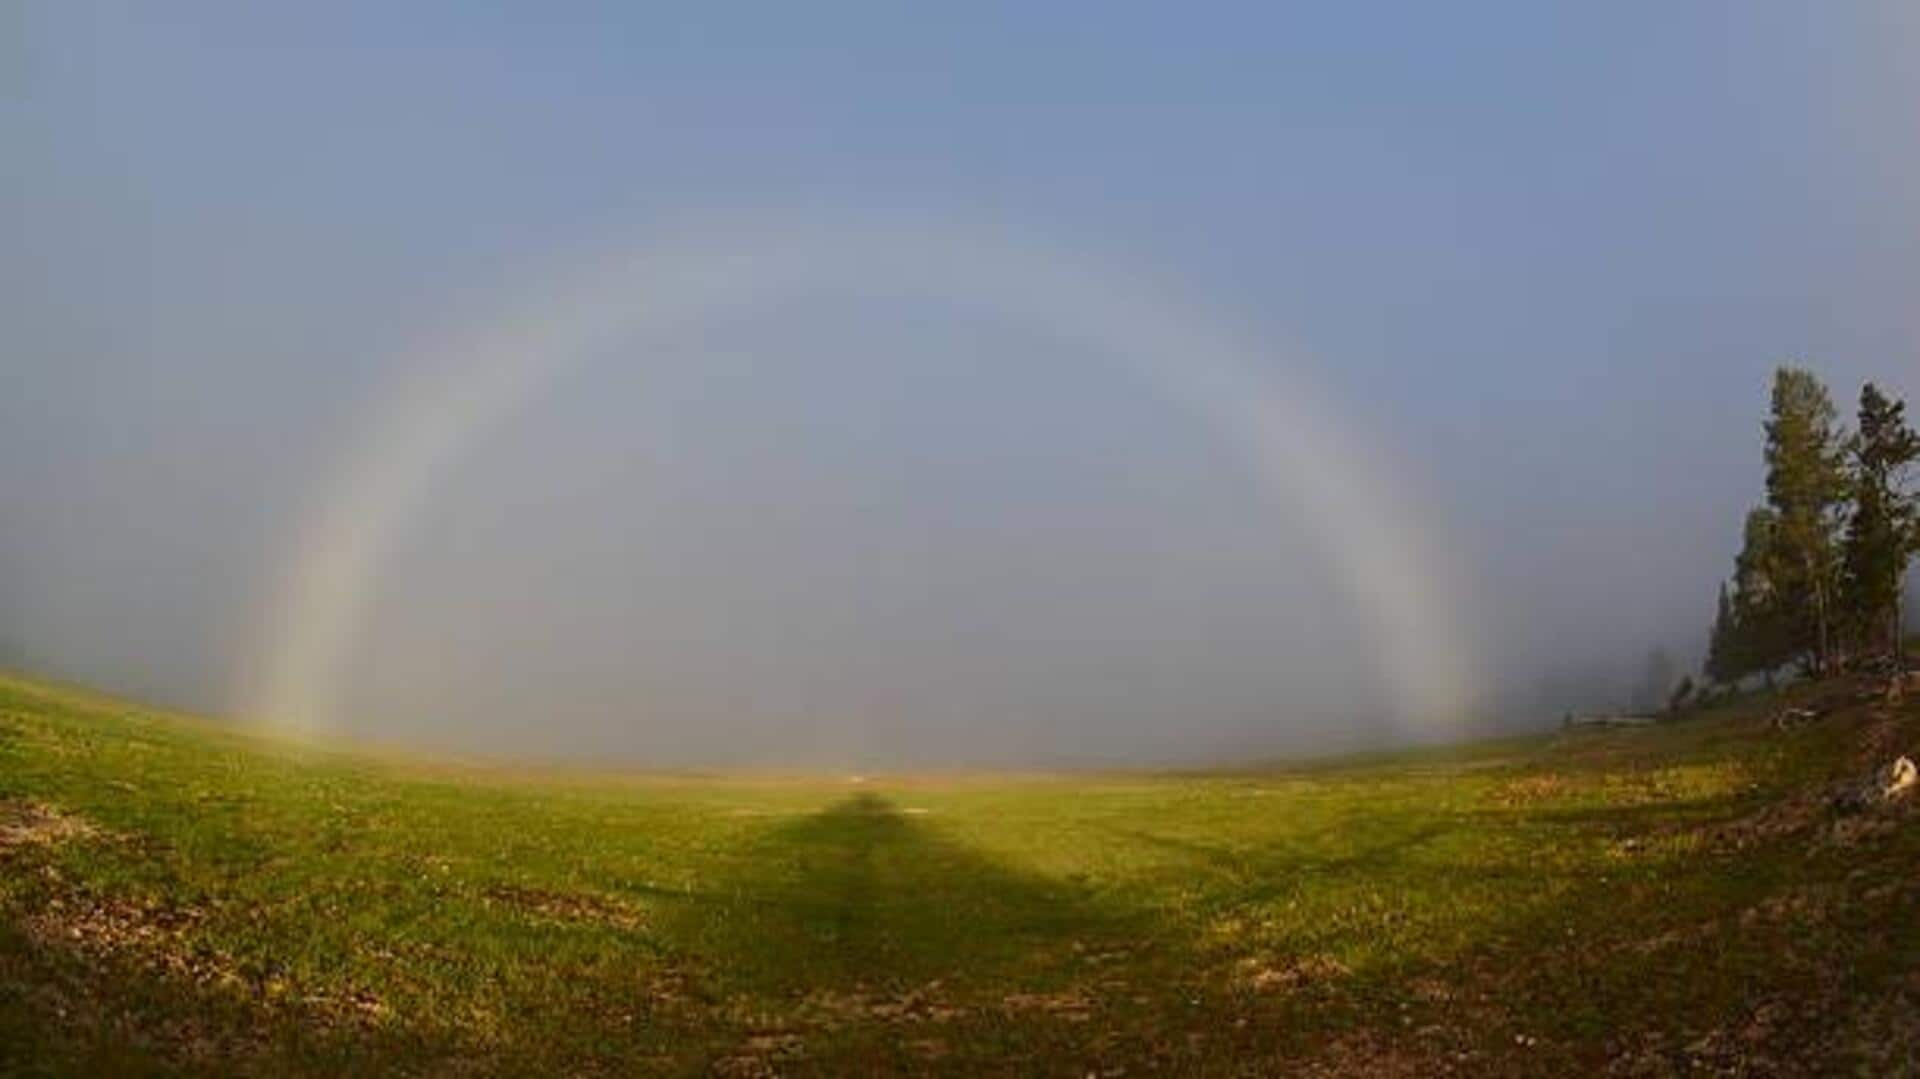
x=1796 y=815
x=1378 y=1058
x=1268 y=975
x=100 y=927
x=1068 y=1006
x=922 y=1005
x=567 y=908
x=1529 y=790
x=762 y=1055
x=117 y=938
x=36 y=824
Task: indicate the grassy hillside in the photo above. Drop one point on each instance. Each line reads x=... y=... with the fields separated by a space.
x=174 y=896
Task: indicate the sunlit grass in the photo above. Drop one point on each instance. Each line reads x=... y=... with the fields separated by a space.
x=250 y=899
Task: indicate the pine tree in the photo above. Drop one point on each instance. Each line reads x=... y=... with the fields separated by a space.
x=1656 y=681
x=1806 y=489
x=1882 y=530
x=1763 y=638
x=1682 y=695
x=1723 y=646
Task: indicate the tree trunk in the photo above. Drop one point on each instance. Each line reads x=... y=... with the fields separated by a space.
x=1821 y=656
x=1897 y=621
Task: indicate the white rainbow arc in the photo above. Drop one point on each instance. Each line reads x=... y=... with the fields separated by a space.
x=453 y=394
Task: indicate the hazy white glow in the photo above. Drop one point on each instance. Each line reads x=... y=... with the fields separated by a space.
x=1379 y=546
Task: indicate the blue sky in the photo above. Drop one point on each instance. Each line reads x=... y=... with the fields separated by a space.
x=1544 y=255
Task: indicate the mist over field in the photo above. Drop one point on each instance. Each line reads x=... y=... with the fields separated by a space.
x=1539 y=286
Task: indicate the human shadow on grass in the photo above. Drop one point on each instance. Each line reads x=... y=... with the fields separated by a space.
x=862 y=895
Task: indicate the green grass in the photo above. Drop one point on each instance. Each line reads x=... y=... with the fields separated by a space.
x=176 y=896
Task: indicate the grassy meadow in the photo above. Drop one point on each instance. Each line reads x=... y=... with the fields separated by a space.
x=176 y=896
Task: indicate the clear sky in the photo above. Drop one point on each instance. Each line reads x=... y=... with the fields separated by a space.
x=1542 y=256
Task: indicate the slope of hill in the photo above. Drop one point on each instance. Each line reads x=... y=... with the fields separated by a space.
x=179 y=897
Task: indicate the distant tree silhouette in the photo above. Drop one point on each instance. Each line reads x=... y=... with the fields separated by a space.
x=1682 y=695
x=1656 y=681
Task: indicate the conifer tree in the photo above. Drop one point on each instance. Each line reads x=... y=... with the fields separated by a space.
x=1723 y=646
x=1763 y=638
x=1806 y=489
x=1656 y=681
x=1884 y=525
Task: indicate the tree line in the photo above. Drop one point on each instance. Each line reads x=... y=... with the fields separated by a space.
x=1818 y=582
